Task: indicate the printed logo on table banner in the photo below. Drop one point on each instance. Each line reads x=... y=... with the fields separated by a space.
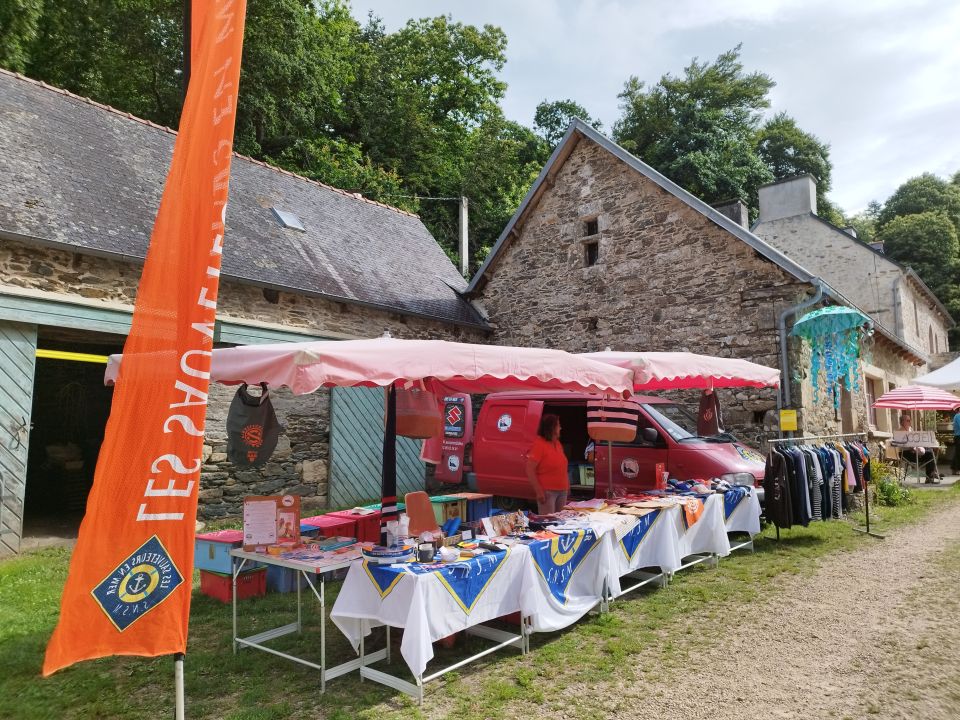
x=630 y=468
x=147 y=476
x=504 y=422
x=138 y=584
x=750 y=454
x=632 y=539
x=732 y=498
x=383 y=577
x=465 y=580
x=559 y=558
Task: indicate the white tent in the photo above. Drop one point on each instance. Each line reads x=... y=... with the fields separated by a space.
x=946 y=378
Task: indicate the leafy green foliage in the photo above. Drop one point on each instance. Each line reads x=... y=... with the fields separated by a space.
x=699 y=129
x=788 y=151
x=927 y=241
x=551 y=119
x=18 y=28
x=865 y=223
x=888 y=491
x=926 y=193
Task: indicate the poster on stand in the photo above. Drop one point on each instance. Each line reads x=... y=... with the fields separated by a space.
x=270 y=520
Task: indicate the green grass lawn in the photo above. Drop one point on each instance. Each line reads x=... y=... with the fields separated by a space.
x=645 y=628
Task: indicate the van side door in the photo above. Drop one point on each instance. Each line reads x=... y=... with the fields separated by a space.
x=503 y=437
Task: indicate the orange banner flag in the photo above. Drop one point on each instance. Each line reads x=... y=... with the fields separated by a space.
x=128 y=591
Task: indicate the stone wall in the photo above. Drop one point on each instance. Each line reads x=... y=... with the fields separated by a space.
x=666 y=278
x=300 y=463
x=873 y=283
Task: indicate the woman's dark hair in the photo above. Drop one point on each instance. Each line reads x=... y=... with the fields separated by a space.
x=548 y=423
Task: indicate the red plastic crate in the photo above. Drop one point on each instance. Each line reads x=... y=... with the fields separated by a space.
x=368 y=526
x=334 y=526
x=252 y=583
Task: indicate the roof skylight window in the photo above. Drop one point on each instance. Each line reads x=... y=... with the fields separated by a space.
x=288 y=220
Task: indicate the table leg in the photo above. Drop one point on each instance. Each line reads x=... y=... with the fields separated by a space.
x=388 y=643
x=323 y=636
x=362 y=660
x=236 y=567
x=299 y=606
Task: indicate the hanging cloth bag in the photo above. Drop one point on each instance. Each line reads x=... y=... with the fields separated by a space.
x=612 y=420
x=418 y=414
x=252 y=428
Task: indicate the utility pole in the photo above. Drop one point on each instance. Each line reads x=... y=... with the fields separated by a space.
x=464 y=235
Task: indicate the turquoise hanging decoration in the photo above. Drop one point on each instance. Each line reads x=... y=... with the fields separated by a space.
x=834 y=337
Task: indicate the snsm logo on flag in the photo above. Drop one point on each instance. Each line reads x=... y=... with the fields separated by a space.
x=138 y=584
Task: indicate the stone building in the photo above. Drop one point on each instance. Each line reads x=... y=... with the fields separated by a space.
x=886 y=290
x=81 y=186
x=606 y=252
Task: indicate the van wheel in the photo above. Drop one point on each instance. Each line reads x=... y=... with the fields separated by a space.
x=509 y=504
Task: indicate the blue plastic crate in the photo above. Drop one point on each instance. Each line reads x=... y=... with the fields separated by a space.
x=284 y=580
x=479 y=509
x=308 y=530
x=211 y=551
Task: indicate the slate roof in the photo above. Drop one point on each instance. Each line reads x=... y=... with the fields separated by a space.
x=82 y=174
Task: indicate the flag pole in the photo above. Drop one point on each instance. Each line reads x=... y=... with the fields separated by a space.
x=178 y=682
x=178 y=712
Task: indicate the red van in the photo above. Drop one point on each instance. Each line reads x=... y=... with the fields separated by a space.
x=666 y=437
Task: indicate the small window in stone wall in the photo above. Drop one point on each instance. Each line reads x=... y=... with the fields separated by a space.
x=591 y=227
x=271 y=296
x=591 y=253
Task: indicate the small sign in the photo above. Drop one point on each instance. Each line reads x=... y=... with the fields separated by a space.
x=270 y=520
x=788 y=420
x=504 y=422
x=914 y=438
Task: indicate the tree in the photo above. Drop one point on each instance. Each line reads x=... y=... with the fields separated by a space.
x=18 y=28
x=551 y=119
x=927 y=242
x=865 y=222
x=926 y=193
x=788 y=151
x=699 y=129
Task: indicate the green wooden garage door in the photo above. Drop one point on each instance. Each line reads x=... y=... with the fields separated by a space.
x=18 y=344
x=356 y=449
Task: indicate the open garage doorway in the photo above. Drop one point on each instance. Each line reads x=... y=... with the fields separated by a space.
x=69 y=415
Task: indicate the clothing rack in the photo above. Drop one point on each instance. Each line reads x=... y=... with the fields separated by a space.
x=817 y=437
x=866 y=490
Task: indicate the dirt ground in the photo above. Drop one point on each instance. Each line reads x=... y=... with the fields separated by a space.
x=871 y=634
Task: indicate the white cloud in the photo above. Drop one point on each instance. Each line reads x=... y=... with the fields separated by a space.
x=876 y=80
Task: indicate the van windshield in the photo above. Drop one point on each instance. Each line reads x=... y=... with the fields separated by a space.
x=680 y=423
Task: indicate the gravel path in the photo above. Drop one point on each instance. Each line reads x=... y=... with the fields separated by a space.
x=873 y=633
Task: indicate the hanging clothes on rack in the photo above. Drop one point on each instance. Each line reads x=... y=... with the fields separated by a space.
x=816 y=476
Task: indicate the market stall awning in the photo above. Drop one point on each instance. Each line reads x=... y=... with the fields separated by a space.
x=946 y=378
x=686 y=371
x=917 y=397
x=464 y=367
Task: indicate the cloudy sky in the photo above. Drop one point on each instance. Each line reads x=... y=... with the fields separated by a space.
x=878 y=80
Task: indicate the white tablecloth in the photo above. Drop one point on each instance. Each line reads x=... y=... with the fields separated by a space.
x=569 y=573
x=708 y=534
x=648 y=541
x=746 y=515
x=430 y=605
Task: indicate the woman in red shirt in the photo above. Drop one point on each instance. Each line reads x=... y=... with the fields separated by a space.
x=547 y=467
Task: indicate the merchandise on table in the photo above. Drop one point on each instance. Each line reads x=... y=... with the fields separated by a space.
x=250 y=583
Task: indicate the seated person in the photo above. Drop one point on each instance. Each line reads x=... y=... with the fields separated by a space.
x=925 y=457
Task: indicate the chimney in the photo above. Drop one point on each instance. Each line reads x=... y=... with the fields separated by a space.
x=736 y=210
x=788 y=198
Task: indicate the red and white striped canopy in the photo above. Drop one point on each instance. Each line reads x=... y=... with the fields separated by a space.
x=918 y=397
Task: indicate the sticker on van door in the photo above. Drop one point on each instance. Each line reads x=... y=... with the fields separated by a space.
x=504 y=422
x=630 y=468
x=453 y=463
